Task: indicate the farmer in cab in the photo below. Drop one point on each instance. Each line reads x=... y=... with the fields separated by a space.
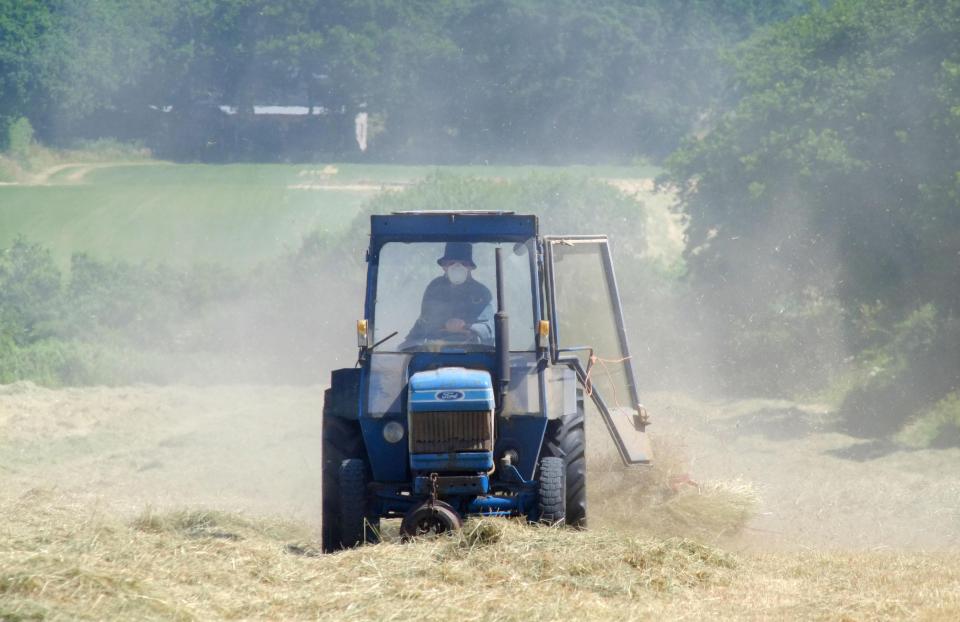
x=455 y=307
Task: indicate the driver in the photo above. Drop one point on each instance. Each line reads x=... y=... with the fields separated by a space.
x=455 y=307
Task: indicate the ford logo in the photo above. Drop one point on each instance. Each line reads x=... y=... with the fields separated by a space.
x=449 y=396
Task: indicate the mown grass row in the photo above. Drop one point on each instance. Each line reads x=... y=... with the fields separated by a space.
x=63 y=562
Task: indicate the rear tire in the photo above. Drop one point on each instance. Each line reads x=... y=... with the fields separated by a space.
x=552 y=490
x=356 y=525
x=342 y=440
x=567 y=439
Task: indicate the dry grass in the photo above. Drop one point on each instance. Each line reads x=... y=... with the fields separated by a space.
x=78 y=546
x=661 y=500
x=63 y=562
x=66 y=560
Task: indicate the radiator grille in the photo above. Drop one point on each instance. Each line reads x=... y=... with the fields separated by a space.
x=449 y=431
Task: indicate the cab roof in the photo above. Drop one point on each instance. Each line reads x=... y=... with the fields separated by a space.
x=465 y=225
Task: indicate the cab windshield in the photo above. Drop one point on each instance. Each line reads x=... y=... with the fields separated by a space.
x=432 y=308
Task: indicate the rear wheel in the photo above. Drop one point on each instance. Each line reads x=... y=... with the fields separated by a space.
x=567 y=440
x=342 y=440
x=356 y=525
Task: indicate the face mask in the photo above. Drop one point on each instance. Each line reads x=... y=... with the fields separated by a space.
x=457 y=273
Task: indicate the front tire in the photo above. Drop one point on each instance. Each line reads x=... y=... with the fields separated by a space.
x=552 y=491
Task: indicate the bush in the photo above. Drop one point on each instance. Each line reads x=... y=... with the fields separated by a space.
x=108 y=150
x=937 y=427
x=114 y=322
x=20 y=138
x=564 y=203
x=10 y=171
x=911 y=372
x=30 y=302
x=791 y=346
x=140 y=303
x=55 y=362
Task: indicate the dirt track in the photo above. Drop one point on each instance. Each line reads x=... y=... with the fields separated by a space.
x=257 y=449
x=78 y=170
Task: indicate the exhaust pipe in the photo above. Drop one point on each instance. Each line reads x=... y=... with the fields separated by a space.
x=501 y=323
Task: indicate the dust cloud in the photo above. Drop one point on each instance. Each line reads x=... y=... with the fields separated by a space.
x=244 y=433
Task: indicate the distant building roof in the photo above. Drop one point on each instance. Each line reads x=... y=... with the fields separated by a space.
x=296 y=111
x=280 y=110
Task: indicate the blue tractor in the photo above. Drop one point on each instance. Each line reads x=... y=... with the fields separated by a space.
x=467 y=398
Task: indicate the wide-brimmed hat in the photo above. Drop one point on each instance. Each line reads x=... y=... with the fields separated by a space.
x=458 y=251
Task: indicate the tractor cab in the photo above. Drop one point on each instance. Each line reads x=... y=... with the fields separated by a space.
x=478 y=344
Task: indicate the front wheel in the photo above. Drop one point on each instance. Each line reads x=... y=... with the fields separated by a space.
x=552 y=491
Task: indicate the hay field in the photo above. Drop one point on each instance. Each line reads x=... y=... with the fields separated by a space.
x=203 y=503
x=66 y=564
x=236 y=214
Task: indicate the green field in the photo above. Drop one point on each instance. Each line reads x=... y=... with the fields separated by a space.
x=238 y=213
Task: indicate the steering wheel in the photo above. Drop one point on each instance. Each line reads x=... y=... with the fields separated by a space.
x=454 y=336
x=440 y=340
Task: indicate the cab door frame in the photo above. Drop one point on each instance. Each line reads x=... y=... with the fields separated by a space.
x=628 y=430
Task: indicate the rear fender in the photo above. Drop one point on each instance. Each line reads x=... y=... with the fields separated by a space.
x=343 y=398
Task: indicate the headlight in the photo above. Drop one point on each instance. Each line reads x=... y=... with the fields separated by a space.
x=393 y=432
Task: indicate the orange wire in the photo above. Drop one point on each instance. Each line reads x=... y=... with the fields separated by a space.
x=588 y=384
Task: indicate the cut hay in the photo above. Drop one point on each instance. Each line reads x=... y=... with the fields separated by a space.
x=63 y=562
x=79 y=546
x=662 y=500
x=187 y=565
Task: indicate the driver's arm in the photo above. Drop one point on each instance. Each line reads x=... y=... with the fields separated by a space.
x=483 y=327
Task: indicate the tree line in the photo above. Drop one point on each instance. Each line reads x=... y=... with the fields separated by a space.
x=824 y=207
x=465 y=80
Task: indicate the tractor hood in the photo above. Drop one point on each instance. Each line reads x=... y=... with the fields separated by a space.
x=451 y=388
x=450 y=420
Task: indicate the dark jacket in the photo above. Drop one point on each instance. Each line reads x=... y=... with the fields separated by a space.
x=470 y=301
